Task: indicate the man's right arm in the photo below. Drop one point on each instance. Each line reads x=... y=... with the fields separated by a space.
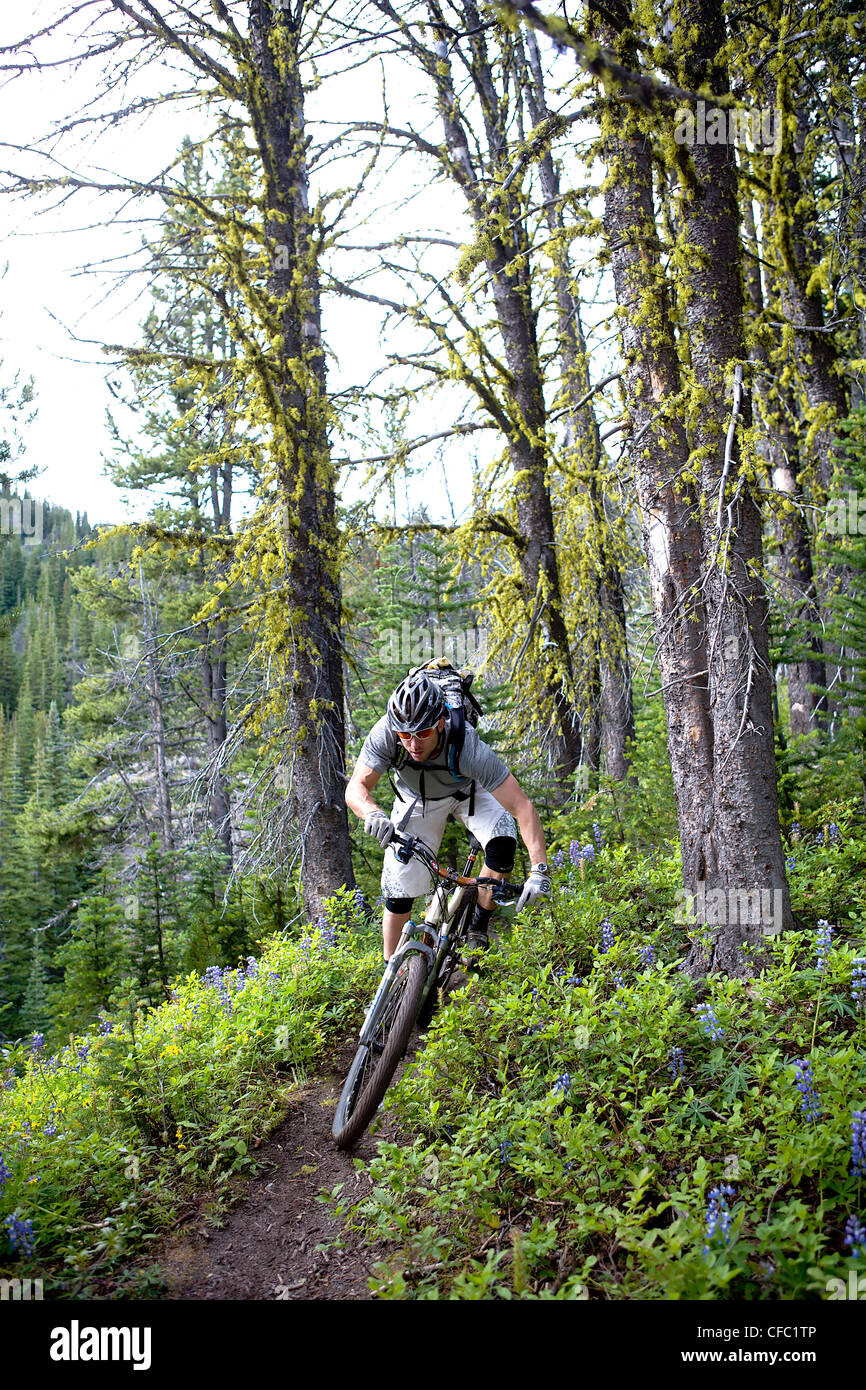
x=358 y=791
x=376 y=821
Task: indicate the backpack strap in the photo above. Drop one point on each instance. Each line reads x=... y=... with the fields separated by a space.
x=456 y=739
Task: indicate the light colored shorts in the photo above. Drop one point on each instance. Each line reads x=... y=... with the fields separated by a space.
x=488 y=821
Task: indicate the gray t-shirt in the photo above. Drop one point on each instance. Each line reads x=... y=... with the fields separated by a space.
x=478 y=763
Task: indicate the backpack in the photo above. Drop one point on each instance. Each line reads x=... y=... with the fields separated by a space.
x=463 y=708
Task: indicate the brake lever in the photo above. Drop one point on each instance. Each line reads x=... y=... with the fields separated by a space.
x=501 y=891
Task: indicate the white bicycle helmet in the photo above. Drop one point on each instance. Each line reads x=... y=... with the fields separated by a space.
x=417 y=703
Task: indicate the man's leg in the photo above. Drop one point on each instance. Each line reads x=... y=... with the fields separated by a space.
x=403 y=883
x=498 y=862
x=394 y=918
x=494 y=828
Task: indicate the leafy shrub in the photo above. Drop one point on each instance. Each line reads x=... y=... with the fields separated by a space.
x=99 y=1143
x=588 y=1122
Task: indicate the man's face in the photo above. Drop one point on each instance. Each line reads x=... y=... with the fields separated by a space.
x=420 y=745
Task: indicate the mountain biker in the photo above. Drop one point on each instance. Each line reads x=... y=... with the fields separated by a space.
x=486 y=798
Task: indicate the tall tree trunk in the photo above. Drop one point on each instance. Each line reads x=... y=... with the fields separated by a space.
x=741 y=847
x=500 y=222
x=611 y=673
x=659 y=452
x=154 y=699
x=709 y=607
x=213 y=679
x=306 y=631
x=811 y=347
x=806 y=677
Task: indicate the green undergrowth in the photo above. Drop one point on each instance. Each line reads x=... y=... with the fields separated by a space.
x=576 y=1108
x=102 y=1143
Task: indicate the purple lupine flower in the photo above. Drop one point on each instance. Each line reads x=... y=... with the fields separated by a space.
x=213 y=976
x=805 y=1084
x=795 y=830
x=562 y=1084
x=105 y=1024
x=676 y=1062
x=819 y=837
x=20 y=1233
x=855 y=1236
x=588 y=853
x=252 y=968
x=790 y=863
x=825 y=937
x=647 y=955
x=597 y=835
x=559 y=859
x=858 y=1144
x=5 y=1173
x=719 y=1216
x=858 y=981
x=834 y=833
x=608 y=937
x=575 y=853
x=328 y=933
x=37 y=1043
x=710 y=1023
x=504 y=1146
x=619 y=981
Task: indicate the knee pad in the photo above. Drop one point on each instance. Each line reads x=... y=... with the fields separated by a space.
x=499 y=853
x=399 y=905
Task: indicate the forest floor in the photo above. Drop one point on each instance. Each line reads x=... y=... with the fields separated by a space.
x=270 y=1246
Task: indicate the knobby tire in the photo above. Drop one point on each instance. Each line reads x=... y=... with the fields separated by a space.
x=370 y=1075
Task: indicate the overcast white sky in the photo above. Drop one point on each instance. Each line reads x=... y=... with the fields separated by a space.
x=54 y=315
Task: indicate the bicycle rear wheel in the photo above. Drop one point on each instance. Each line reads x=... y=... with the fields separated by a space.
x=376 y=1060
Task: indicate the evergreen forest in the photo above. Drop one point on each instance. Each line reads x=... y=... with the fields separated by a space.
x=531 y=336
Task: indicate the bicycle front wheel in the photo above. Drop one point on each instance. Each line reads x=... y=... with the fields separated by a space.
x=377 y=1059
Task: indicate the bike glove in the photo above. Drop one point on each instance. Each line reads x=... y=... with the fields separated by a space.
x=378 y=825
x=536 y=886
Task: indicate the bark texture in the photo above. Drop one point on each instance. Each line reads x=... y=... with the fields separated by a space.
x=741 y=847
x=702 y=527
x=293 y=378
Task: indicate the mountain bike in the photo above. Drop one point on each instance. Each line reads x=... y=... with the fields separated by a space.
x=415 y=979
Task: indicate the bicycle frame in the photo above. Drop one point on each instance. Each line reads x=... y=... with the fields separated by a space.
x=428 y=937
x=398 y=1002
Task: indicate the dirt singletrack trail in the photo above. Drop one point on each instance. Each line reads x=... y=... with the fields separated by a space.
x=267 y=1248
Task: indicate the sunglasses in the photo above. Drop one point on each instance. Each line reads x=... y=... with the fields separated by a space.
x=417 y=733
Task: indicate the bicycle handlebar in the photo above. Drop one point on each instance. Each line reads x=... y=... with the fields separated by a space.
x=413 y=846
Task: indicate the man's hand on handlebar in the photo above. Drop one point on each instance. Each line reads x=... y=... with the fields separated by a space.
x=536 y=886
x=379 y=826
